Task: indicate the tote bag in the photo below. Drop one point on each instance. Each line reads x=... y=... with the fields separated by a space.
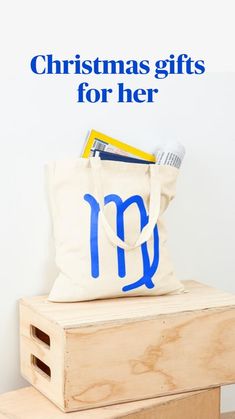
x=110 y=238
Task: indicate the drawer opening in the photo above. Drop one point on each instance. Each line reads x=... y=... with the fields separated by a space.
x=41 y=367
x=40 y=335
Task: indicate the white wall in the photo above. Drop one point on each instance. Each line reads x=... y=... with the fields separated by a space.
x=42 y=121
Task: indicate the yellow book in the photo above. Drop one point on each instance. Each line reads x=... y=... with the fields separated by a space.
x=102 y=142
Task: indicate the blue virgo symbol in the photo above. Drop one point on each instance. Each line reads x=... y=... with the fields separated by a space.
x=149 y=269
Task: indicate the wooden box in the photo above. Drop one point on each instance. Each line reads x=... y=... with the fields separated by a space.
x=90 y=354
x=28 y=403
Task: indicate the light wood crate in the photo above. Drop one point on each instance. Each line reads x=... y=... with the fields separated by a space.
x=90 y=354
x=28 y=403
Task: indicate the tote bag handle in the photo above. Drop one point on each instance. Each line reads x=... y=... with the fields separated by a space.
x=154 y=205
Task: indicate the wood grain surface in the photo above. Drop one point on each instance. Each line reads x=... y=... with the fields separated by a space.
x=74 y=315
x=108 y=352
x=28 y=403
x=133 y=361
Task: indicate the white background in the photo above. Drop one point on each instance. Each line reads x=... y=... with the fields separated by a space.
x=42 y=121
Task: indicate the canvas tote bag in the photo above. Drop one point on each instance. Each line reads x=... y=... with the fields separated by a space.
x=109 y=233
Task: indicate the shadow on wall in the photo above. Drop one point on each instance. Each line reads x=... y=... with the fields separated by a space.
x=50 y=270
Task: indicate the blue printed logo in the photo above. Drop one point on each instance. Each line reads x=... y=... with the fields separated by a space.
x=149 y=268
